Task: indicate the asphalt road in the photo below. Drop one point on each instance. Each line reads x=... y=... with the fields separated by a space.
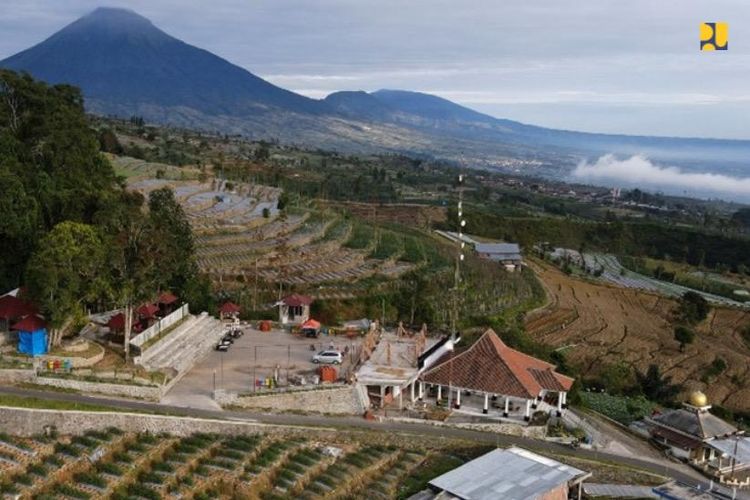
x=353 y=423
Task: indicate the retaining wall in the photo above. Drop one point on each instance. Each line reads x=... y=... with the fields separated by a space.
x=127 y=390
x=338 y=399
x=28 y=422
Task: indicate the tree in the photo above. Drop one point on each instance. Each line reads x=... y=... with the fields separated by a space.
x=655 y=386
x=684 y=336
x=65 y=273
x=693 y=308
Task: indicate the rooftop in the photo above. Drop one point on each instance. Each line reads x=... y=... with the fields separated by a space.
x=511 y=474
x=491 y=366
x=394 y=360
x=695 y=422
x=497 y=248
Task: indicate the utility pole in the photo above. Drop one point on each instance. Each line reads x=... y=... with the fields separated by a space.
x=461 y=224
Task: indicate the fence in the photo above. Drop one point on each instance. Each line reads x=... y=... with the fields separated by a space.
x=160 y=326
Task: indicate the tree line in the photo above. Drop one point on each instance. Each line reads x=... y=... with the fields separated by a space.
x=71 y=233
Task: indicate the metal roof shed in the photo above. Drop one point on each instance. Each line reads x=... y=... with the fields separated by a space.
x=510 y=474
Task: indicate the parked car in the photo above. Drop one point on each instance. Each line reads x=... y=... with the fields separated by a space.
x=330 y=357
x=223 y=347
x=227 y=338
x=236 y=333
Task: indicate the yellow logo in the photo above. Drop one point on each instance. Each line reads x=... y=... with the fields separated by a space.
x=714 y=36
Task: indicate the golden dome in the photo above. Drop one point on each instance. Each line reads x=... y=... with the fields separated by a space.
x=698 y=399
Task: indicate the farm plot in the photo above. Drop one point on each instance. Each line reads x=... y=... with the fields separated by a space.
x=614 y=324
x=113 y=464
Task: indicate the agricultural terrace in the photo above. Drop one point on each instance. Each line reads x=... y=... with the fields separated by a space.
x=600 y=325
x=113 y=464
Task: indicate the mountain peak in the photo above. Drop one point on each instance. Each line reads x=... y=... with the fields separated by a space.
x=112 y=21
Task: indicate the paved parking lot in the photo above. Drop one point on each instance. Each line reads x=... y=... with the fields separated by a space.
x=255 y=355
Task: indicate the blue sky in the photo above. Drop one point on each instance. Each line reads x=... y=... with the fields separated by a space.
x=624 y=66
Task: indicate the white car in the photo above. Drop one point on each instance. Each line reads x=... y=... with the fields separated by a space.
x=330 y=357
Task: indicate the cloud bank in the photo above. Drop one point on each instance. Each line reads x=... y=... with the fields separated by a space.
x=640 y=171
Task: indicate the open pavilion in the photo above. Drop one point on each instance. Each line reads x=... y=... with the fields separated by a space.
x=495 y=372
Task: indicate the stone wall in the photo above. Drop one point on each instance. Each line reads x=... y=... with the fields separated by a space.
x=335 y=400
x=14 y=376
x=127 y=390
x=28 y=422
x=529 y=431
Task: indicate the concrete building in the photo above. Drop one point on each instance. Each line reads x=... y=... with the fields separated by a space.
x=294 y=309
x=513 y=473
x=704 y=440
x=507 y=254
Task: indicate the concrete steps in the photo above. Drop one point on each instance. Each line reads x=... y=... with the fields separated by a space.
x=188 y=345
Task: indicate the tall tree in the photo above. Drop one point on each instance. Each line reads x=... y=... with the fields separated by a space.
x=66 y=273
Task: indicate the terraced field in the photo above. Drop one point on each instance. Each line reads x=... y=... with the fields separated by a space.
x=112 y=464
x=241 y=236
x=601 y=324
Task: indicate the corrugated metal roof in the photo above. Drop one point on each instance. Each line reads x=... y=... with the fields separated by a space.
x=619 y=491
x=512 y=474
x=503 y=248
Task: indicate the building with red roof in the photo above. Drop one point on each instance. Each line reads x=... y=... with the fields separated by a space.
x=229 y=310
x=294 y=309
x=13 y=308
x=492 y=369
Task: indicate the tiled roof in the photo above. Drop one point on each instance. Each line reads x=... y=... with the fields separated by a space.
x=295 y=300
x=491 y=366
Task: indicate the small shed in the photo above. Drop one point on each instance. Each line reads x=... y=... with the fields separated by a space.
x=229 y=310
x=166 y=303
x=32 y=335
x=13 y=308
x=294 y=309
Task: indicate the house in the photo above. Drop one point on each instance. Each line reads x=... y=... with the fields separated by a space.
x=294 y=309
x=513 y=473
x=704 y=440
x=494 y=371
x=32 y=335
x=508 y=254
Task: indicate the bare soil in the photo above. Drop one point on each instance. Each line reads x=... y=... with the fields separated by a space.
x=603 y=324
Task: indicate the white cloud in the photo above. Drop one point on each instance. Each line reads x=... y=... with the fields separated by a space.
x=639 y=171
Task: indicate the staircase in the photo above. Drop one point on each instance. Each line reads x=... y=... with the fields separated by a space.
x=181 y=349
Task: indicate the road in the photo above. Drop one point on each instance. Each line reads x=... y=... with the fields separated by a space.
x=354 y=423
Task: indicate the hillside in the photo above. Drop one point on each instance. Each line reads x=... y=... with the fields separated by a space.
x=126 y=66
x=606 y=326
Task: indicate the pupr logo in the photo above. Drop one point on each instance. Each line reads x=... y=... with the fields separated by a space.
x=714 y=36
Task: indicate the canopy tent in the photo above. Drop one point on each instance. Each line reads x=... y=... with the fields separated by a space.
x=167 y=298
x=147 y=310
x=310 y=324
x=32 y=335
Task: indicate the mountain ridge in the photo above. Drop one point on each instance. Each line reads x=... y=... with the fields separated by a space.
x=126 y=66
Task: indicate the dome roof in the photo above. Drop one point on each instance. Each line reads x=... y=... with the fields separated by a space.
x=697 y=398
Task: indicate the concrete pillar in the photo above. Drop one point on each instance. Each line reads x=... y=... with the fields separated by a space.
x=560 y=397
x=458 y=398
x=486 y=408
x=382 y=396
x=421 y=391
x=527 y=417
x=440 y=394
x=536 y=402
x=400 y=400
x=505 y=411
x=412 y=392
x=565 y=399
